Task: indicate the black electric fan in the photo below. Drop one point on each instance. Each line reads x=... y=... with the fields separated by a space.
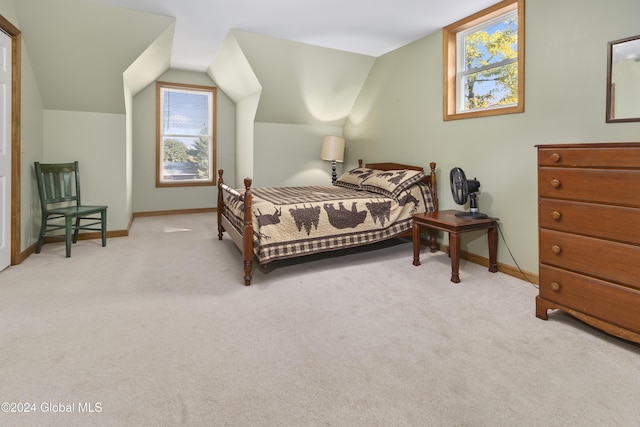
x=463 y=189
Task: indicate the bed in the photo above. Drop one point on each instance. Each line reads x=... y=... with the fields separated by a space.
x=367 y=204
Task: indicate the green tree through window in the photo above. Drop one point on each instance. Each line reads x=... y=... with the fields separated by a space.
x=199 y=155
x=174 y=151
x=490 y=75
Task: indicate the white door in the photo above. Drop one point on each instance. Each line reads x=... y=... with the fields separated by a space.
x=5 y=150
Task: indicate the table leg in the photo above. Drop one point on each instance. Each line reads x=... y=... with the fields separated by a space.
x=433 y=240
x=454 y=253
x=415 y=236
x=492 y=236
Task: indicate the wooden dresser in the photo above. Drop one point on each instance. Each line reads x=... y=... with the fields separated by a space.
x=589 y=234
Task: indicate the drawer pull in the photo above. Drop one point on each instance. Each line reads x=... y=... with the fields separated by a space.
x=555 y=157
x=556 y=249
x=555 y=215
x=555 y=286
x=555 y=183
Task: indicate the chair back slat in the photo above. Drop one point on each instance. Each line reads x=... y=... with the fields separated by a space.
x=66 y=177
x=57 y=188
x=46 y=185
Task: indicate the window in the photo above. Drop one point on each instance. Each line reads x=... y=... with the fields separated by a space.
x=484 y=63
x=185 y=135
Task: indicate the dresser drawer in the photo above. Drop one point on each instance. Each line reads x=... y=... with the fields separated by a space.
x=603 y=259
x=609 y=302
x=595 y=220
x=627 y=156
x=615 y=186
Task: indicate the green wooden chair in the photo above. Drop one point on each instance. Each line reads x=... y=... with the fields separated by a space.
x=59 y=190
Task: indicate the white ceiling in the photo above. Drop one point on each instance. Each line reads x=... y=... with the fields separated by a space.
x=360 y=26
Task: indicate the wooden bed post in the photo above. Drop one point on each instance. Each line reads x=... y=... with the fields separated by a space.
x=434 y=186
x=433 y=236
x=247 y=233
x=220 y=206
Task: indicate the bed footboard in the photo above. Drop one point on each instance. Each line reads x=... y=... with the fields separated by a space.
x=243 y=239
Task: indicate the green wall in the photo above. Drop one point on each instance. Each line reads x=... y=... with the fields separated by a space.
x=97 y=142
x=398 y=115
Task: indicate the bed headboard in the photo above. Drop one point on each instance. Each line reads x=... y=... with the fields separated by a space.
x=429 y=179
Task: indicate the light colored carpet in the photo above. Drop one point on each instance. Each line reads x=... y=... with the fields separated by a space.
x=157 y=329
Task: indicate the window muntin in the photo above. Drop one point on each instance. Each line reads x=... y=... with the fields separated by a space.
x=484 y=63
x=185 y=152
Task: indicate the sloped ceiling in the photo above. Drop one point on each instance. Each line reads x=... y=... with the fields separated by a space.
x=80 y=49
x=232 y=72
x=320 y=85
x=314 y=55
x=358 y=26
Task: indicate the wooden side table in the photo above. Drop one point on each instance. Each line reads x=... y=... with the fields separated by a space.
x=455 y=225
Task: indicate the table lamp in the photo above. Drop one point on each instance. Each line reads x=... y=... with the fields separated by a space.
x=333 y=150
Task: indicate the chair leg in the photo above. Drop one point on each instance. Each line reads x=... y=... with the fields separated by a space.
x=67 y=235
x=76 y=230
x=43 y=227
x=103 y=218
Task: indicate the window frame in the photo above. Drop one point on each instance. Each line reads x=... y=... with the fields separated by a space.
x=450 y=33
x=212 y=90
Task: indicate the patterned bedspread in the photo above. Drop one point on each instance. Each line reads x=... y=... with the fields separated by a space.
x=295 y=221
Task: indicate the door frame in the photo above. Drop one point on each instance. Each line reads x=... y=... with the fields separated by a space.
x=16 y=44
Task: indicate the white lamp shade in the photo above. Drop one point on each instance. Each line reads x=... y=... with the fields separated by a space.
x=332 y=148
